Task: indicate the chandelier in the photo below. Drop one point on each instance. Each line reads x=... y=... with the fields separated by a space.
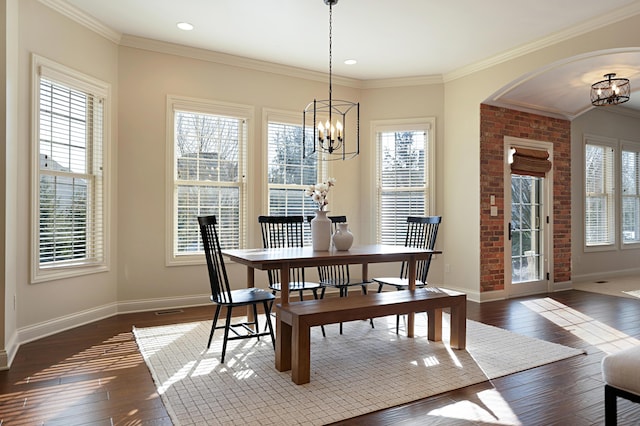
x=611 y=91
x=325 y=122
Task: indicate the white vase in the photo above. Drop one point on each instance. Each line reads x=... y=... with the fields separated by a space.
x=321 y=231
x=342 y=238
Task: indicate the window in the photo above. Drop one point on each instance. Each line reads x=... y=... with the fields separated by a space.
x=404 y=176
x=207 y=146
x=69 y=216
x=599 y=193
x=630 y=171
x=289 y=174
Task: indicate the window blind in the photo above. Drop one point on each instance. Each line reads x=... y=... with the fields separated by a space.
x=599 y=195
x=289 y=173
x=71 y=182
x=403 y=181
x=630 y=165
x=207 y=178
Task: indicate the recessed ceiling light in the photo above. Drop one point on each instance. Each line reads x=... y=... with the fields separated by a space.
x=350 y=62
x=185 y=26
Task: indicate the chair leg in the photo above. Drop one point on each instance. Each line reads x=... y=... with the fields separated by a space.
x=267 y=310
x=227 y=327
x=610 y=406
x=213 y=326
x=364 y=291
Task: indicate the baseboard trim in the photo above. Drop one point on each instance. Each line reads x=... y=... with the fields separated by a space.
x=146 y=305
x=604 y=275
x=67 y=322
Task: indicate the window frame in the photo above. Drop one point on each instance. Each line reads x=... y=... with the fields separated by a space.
x=99 y=171
x=210 y=107
x=289 y=118
x=426 y=124
x=628 y=146
x=614 y=197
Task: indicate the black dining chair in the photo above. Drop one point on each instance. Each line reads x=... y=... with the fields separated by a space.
x=287 y=231
x=338 y=276
x=421 y=233
x=223 y=296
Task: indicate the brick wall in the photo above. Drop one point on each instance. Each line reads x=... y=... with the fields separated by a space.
x=495 y=124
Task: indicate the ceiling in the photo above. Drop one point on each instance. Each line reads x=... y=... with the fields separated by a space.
x=403 y=39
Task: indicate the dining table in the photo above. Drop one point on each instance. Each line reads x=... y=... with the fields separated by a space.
x=291 y=257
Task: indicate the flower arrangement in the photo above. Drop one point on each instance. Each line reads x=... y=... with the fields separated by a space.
x=319 y=192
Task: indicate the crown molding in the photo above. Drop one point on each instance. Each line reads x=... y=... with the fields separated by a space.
x=82 y=18
x=91 y=23
x=560 y=36
x=232 y=60
x=402 y=82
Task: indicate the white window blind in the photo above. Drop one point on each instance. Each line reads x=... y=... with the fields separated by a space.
x=630 y=166
x=599 y=194
x=70 y=215
x=289 y=174
x=207 y=178
x=403 y=161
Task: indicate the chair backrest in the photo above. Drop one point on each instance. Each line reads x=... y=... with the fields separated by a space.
x=282 y=231
x=220 y=289
x=421 y=233
x=279 y=232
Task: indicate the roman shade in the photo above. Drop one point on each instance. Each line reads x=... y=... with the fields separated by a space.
x=530 y=162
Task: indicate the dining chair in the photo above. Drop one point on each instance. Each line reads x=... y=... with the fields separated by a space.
x=338 y=276
x=287 y=231
x=223 y=296
x=421 y=233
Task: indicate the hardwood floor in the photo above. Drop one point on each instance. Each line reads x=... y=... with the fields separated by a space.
x=94 y=375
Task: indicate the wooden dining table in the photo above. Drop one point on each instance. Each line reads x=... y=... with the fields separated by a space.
x=292 y=257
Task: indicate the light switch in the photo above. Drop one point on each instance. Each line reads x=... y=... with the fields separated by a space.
x=493 y=200
x=494 y=210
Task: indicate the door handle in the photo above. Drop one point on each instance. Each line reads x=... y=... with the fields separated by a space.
x=509 y=226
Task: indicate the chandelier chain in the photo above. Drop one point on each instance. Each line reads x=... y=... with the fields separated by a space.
x=330 y=54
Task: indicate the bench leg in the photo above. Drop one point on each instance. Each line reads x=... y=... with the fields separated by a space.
x=283 y=345
x=434 y=324
x=301 y=353
x=459 y=325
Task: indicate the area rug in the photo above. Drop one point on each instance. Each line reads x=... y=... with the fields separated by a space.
x=363 y=370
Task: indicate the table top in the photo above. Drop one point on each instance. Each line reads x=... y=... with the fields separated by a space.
x=273 y=258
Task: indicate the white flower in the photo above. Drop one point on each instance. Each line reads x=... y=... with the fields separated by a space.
x=319 y=192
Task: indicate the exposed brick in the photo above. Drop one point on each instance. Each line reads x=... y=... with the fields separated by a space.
x=495 y=124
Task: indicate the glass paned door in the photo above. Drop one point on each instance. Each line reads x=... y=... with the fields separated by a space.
x=527 y=216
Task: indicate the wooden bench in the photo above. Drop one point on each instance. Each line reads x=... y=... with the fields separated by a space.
x=296 y=319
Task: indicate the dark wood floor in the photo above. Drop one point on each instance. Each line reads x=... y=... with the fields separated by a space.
x=95 y=375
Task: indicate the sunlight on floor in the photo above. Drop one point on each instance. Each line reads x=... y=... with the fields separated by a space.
x=486 y=406
x=605 y=338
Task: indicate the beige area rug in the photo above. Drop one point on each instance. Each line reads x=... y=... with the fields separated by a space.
x=360 y=371
x=628 y=286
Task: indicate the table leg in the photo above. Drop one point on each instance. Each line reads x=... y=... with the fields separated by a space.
x=459 y=324
x=411 y=317
x=365 y=272
x=250 y=284
x=283 y=331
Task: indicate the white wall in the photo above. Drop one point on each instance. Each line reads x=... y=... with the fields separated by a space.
x=48 y=34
